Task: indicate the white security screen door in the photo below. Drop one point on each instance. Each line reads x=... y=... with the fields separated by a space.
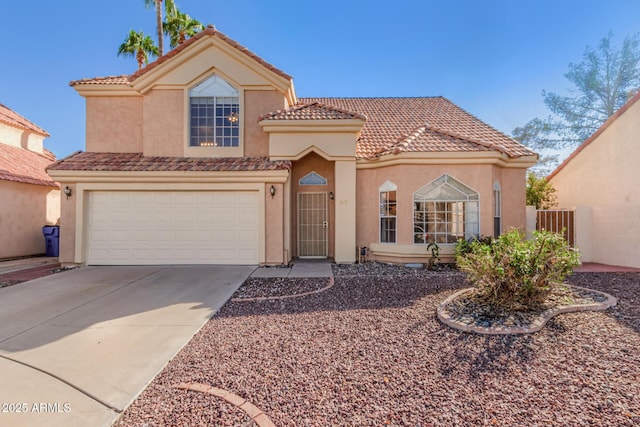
x=312 y=225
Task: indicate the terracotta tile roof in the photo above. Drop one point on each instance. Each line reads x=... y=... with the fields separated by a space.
x=109 y=80
x=391 y=121
x=312 y=111
x=424 y=139
x=126 y=162
x=11 y=118
x=209 y=31
x=25 y=166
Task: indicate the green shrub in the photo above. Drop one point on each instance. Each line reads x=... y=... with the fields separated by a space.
x=514 y=273
x=463 y=246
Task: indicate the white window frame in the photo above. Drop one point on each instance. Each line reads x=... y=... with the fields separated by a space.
x=497 y=209
x=312 y=178
x=220 y=94
x=385 y=209
x=444 y=211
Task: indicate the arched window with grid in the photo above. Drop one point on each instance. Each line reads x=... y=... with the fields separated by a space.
x=444 y=211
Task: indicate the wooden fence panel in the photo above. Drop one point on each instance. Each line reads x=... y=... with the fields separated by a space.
x=562 y=222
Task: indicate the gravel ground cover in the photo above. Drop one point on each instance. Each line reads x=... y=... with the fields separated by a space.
x=278 y=286
x=371 y=352
x=471 y=309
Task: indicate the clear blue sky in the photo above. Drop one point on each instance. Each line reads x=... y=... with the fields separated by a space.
x=492 y=57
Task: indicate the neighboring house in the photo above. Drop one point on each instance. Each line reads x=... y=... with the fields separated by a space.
x=208 y=156
x=30 y=199
x=600 y=178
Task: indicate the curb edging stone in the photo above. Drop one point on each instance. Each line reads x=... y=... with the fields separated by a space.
x=282 y=297
x=256 y=414
x=537 y=324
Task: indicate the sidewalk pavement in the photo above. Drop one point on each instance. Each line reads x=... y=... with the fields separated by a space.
x=305 y=268
x=77 y=347
x=24 y=269
x=594 y=267
x=13 y=265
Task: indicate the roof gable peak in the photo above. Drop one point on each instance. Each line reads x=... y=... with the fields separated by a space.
x=210 y=37
x=11 y=118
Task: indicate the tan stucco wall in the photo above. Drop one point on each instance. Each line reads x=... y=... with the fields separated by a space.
x=21 y=138
x=11 y=136
x=274 y=224
x=151 y=114
x=514 y=198
x=156 y=124
x=164 y=123
x=604 y=177
x=208 y=57
x=114 y=124
x=410 y=178
x=23 y=212
x=290 y=144
x=345 y=211
x=68 y=226
x=256 y=104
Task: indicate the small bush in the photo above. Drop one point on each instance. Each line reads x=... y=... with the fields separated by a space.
x=514 y=273
x=463 y=246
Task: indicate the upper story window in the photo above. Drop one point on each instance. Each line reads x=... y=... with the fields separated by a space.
x=444 y=211
x=214 y=107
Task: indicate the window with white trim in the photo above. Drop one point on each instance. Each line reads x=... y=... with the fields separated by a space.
x=313 y=178
x=388 y=215
x=214 y=114
x=497 y=209
x=444 y=211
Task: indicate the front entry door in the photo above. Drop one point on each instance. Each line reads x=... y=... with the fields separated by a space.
x=312 y=225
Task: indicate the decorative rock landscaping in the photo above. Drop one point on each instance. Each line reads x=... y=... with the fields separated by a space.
x=370 y=351
x=280 y=288
x=463 y=312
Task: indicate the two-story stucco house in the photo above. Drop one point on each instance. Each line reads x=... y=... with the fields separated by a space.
x=29 y=198
x=207 y=155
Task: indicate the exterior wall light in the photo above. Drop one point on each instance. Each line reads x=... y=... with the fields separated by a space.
x=331 y=195
x=272 y=191
x=67 y=192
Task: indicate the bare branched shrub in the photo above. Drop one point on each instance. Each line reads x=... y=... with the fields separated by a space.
x=514 y=273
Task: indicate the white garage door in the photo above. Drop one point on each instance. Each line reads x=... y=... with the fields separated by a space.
x=172 y=227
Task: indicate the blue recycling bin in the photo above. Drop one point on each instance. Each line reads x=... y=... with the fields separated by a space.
x=52 y=239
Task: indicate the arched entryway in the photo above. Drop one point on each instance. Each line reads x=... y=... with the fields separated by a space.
x=312 y=210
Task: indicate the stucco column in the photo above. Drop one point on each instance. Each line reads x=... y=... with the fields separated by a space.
x=274 y=223
x=345 y=211
x=68 y=226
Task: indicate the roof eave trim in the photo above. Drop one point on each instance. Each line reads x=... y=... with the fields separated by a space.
x=319 y=125
x=20 y=179
x=105 y=90
x=277 y=175
x=145 y=81
x=44 y=133
x=439 y=158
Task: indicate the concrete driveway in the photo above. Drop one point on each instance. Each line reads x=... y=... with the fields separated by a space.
x=77 y=347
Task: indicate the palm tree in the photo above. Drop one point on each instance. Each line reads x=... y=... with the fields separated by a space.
x=170 y=10
x=181 y=26
x=138 y=45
